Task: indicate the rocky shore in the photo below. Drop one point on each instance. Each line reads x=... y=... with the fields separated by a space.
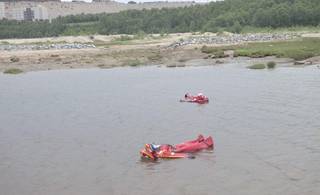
x=206 y=39
x=12 y=47
x=232 y=39
x=173 y=50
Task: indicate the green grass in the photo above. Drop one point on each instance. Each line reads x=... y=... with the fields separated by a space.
x=76 y=29
x=131 y=39
x=257 y=66
x=4 y=42
x=13 y=71
x=310 y=29
x=216 y=52
x=299 y=49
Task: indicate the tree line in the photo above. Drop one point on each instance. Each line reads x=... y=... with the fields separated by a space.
x=230 y=15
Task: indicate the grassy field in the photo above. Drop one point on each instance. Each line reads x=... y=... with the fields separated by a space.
x=300 y=49
x=309 y=29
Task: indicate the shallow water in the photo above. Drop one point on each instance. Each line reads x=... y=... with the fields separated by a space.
x=78 y=132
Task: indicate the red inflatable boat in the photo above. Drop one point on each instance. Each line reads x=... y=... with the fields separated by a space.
x=200 y=98
x=182 y=150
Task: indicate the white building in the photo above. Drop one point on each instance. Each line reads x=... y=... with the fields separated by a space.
x=30 y=12
x=40 y=13
x=2 y=13
x=14 y=13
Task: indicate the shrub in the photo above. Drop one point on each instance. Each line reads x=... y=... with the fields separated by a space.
x=257 y=66
x=140 y=35
x=13 y=71
x=236 y=28
x=271 y=64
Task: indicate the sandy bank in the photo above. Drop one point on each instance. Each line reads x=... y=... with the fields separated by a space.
x=112 y=51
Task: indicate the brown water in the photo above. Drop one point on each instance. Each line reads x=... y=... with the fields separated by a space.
x=78 y=132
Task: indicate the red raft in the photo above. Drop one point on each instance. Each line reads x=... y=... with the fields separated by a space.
x=182 y=150
x=199 y=98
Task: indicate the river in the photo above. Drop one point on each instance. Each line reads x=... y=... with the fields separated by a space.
x=79 y=132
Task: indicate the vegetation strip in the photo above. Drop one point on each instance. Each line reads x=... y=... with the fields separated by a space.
x=300 y=49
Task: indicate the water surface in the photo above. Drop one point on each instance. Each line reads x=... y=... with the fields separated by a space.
x=78 y=132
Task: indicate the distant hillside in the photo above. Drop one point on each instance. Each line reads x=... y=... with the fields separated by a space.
x=230 y=15
x=28 y=0
x=50 y=9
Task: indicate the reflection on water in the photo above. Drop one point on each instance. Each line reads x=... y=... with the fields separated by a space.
x=80 y=131
x=149 y=164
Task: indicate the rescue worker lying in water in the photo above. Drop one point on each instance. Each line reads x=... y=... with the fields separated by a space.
x=154 y=151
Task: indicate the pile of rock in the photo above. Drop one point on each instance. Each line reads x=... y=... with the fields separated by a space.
x=9 y=47
x=232 y=39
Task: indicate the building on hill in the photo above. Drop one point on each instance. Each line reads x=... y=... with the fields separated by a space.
x=30 y=12
x=2 y=7
x=50 y=9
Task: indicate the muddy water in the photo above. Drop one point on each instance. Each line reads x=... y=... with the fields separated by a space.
x=78 y=132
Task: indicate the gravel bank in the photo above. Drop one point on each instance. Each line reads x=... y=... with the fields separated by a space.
x=231 y=39
x=10 y=47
